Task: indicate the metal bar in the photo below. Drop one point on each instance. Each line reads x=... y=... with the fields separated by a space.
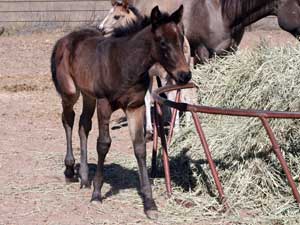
x=46 y=1
x=54 y=10
x=165 y=150
x=209 y=158
x=262 y=114
x=174 y=115
x=217 y=110
x=155 y=144
x=281 y=159
x=47 y=21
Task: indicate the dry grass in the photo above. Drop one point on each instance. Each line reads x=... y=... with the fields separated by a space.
x=253 y=181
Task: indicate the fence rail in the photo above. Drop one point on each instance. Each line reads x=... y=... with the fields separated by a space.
x=75 y=12
x=47 y=1
x=264 y=116
x=44 y=12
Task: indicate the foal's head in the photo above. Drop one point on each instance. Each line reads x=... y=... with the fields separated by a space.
x=288 y=13
x=168 y=44
x=120 y=15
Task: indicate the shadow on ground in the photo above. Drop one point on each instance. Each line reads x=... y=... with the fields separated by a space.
x=186 y=173
x=118 y=177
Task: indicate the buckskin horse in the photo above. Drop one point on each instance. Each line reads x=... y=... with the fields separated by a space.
x=112 y=73
x=216 y=27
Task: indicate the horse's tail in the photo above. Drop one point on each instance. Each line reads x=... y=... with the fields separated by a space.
x=53 y=68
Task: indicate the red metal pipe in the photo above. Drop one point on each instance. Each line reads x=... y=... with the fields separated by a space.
x=281 y=159
x=216 y=110
x=174 y=115
x=155 y=144
x=209 y=158
x=165 y=150
x=262 y=114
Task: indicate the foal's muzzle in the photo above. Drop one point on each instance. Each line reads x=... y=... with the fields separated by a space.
x=184 y=77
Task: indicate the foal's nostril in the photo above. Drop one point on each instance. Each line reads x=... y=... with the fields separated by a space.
x=185 y=77
x=189 y=76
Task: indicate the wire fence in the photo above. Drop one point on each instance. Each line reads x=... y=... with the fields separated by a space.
x=45 y=12
x=68 y=12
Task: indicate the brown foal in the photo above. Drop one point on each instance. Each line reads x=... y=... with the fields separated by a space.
x=112 y=73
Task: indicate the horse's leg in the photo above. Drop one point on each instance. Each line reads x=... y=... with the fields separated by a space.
x=85 y=125
x=135 y=119
x=149 y=128
x=187 y=50
x=163 y=79
x=104 y=112
x=236 y=40
x=201 y=55
x=68 y=116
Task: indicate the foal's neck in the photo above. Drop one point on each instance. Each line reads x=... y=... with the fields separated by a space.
x=140 y=47
x=247 y=12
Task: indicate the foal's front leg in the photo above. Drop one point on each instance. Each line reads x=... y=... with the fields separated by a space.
x=104 y=112
x=135 y=119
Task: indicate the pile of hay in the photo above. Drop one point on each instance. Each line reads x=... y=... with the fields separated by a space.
x=253 y=181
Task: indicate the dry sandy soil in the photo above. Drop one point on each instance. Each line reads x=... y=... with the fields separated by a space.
x=32 y=148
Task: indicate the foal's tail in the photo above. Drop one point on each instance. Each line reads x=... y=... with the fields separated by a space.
x=53 y=68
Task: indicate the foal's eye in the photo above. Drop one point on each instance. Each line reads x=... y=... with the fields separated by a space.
x=163 y=44
x=117 y=17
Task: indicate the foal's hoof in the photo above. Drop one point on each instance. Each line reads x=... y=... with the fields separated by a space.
x=150 y=209
x=70 y=176
x=96 y=198
x=152 y=214
x=85 y=184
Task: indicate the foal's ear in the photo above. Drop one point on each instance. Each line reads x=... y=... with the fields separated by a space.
x=116 y=2
x=113 y=2
x=177 y=15
x=125 y=4
x=155 y=17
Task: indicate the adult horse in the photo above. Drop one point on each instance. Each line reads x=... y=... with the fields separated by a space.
x=108 y=75
x=215 y=27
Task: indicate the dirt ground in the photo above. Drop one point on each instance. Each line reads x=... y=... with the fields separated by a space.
x=32 y=148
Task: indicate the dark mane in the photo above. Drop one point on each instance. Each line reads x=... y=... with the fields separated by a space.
x=131 y=28
x=241 y=8
x=139 y=24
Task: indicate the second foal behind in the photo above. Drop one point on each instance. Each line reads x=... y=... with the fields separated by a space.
x=112 y=73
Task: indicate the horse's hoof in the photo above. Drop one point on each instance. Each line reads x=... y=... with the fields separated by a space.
x=96 y=198
x=149 y=136
x=70 y=176
x=150 y=209
x=85 y=185
x=152 y=214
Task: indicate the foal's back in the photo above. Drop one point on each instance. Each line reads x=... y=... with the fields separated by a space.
x=62 y=56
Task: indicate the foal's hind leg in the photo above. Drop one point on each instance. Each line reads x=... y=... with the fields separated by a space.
x=103 y=144
x=135 y=119
x=68 y=116
x=85 y=125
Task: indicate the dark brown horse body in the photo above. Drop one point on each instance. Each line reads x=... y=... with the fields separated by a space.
x=217 y=26
x=112 y=73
